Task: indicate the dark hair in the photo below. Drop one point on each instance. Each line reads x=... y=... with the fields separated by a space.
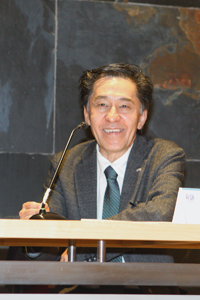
x=133 y=72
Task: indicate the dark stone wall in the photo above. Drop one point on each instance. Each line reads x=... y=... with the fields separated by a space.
x=178 y=3
x=44 y=47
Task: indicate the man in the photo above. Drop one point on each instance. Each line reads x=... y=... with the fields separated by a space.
x=149 y=172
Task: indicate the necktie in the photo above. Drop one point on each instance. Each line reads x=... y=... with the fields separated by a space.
x=111 y=198
x=112 y=194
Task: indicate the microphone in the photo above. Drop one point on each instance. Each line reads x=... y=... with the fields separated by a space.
x=50 y=215
x=82 y=125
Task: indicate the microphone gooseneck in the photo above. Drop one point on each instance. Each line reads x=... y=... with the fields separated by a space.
x=82 y=125
x=43 y=214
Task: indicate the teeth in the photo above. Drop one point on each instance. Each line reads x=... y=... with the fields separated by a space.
x=112 y=130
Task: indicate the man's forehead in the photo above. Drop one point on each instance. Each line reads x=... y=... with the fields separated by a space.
x=111 y=80
x=114 y=86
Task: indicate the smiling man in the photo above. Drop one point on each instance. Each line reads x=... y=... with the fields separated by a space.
x=121 y=175
x=114 y=113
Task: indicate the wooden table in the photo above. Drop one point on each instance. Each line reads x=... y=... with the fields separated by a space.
x=87 y=233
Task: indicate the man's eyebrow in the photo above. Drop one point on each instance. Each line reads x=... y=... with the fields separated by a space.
x=101 y=97
x=126 y=99
x=107 y=97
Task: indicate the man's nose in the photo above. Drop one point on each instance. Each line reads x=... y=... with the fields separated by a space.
x=113 y=115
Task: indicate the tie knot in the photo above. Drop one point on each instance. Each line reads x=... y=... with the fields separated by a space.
x=110 y=173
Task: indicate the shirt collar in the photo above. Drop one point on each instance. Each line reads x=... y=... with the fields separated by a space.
x=118 y=165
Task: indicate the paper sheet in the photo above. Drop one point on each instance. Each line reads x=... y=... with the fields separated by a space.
x=187 y=209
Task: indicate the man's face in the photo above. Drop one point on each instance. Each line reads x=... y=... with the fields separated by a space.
x=114 y=114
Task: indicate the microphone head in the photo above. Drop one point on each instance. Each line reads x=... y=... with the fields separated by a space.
x=83 y=125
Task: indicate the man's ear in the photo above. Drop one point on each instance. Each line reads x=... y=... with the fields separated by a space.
x=86 y=115
x=142 y=120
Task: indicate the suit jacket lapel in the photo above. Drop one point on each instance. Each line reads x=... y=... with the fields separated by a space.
x=133 y=171
x=86 y=183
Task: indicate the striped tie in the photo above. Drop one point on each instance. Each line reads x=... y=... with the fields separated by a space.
x=112 y=194
x=111 y=198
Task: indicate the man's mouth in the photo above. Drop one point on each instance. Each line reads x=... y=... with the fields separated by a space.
x=112 y=130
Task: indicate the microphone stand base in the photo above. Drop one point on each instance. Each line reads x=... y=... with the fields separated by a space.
x=43 y=215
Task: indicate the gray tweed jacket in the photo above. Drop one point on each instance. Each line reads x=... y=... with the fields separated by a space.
x=153 y=176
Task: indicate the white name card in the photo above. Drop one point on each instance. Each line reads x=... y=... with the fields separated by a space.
x=187 y=209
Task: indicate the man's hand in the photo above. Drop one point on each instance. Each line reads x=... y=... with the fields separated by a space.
x=64 y=256
x=29 y=209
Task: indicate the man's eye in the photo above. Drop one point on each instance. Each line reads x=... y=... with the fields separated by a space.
x=102 y=104
x=124 y=106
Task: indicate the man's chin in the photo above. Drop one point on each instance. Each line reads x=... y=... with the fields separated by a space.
x=112 y=150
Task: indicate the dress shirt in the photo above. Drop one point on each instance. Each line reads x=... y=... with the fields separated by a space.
x=119 y=166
